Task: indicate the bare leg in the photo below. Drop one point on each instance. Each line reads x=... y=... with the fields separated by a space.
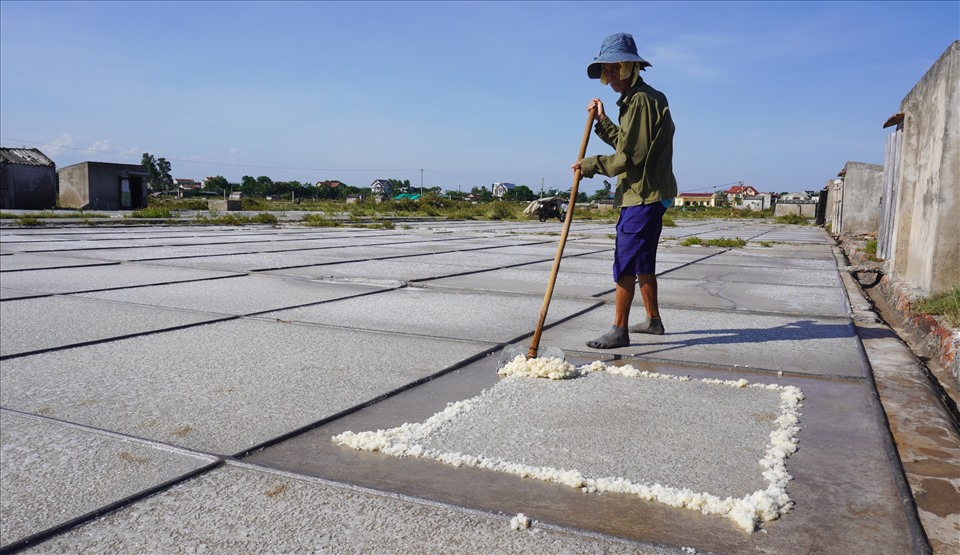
x=648 y=292
x=618 y=336
x=624 y=300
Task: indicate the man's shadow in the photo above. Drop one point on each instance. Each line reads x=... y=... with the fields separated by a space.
x=793 y=331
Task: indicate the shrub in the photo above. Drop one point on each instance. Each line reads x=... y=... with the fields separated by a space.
x=502 y=211
x=319 y=220
x=792 y=219
x=153 y=212
x=265 y=218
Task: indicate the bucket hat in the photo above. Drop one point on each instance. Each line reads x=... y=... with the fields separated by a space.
x=618 y=47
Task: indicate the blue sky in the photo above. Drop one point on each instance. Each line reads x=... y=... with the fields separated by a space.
x=779 y=95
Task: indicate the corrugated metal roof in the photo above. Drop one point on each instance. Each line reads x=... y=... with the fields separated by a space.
x=25 y=157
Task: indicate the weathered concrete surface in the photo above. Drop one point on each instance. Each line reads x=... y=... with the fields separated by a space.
x=54 y=472
x=204 y=388
x=926 y=234
x=79 y=320
x=862 y=188
x=362 y=355
x=289 y=514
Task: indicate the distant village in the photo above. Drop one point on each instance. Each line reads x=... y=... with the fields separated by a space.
x=30 y=180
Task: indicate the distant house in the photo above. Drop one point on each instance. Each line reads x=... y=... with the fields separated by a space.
x=186 y=187
x=758 y=202
x=695 y=199
x=500 y=189
x=187 y=184
x=103 y=186
x=738 y=192
x=334 y=183
x=381 y=187
x=797 y=196
x=28 y=179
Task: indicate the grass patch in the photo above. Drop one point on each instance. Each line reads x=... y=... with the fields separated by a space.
x=320 y=220
x=946 y=305
x=153 y=212
x=721 y=242
x=870 y=250
x=796 y=219
x=766 y=244
x=31 y=221
x=734 y=243
x=236 y=219
x=707 y=212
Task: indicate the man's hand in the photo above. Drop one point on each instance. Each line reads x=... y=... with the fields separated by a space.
x=597 y=105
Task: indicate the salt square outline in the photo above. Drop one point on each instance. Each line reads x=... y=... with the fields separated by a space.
x=527 y=445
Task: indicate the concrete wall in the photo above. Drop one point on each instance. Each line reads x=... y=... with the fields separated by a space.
x=96 y=186
x=28 y=187
x=926 y=231
x=807 y=209
x=861 y=194
x=833 y=188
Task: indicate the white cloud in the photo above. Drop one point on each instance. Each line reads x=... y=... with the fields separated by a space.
x=60 y=144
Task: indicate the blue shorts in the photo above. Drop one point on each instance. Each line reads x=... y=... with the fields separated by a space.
x=638 y=232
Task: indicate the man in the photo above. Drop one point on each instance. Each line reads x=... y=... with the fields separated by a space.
x=643 y=162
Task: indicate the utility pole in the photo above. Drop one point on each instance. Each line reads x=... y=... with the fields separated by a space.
x=421 y=181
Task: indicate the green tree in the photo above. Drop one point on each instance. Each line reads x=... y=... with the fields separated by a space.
x=602 y=193
x=149 y=164
x=248 y=186
x=216 y=184
x=520 y=192
x=163 y=172
x=482 y=194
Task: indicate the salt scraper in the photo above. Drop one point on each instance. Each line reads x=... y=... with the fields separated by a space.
x=512 y=351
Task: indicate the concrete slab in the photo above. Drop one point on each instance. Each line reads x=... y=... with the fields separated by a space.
x=94 y=278
x=238 y=296
x=757 y=257
x=51 y=322
x=802 y=344
x=53 y=472
x=395 y=270
x=222 y=387
x=750 y=296
x=256 y=262
x=38 y=261
x=521 y=280
x=45 y=246
x=156 y=252
x=447 y=314
x=487 y=258
x=549 y=250
x=758 y=274
x=286 y=514
x=8 y=293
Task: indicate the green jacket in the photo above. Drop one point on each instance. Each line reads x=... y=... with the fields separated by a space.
x=643 y=143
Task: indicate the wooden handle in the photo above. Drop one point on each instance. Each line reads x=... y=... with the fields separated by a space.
x=577 y=175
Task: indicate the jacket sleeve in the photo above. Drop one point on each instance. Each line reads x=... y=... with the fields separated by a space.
x=607 y=131
x=633 y=139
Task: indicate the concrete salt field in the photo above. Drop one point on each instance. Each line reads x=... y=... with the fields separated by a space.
x=178 y=388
